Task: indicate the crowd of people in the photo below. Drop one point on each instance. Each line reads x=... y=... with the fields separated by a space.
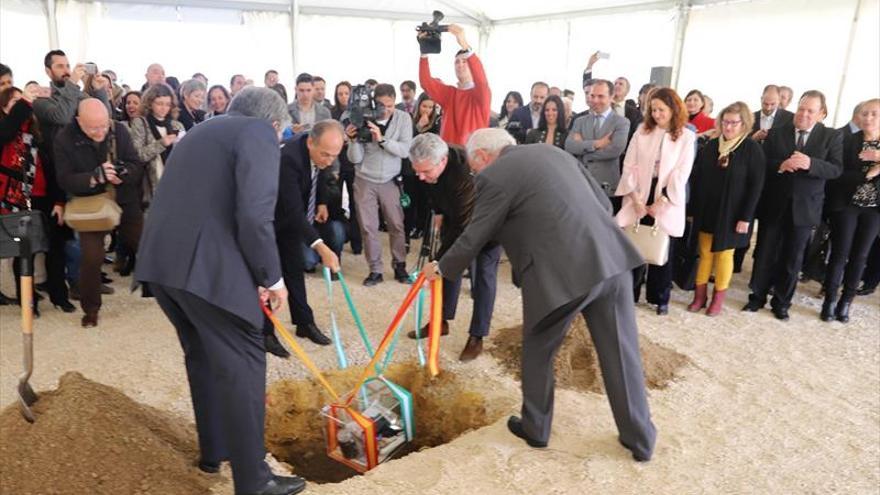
x=661 y=161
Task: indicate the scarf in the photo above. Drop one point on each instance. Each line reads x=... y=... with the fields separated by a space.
x=154 y=124
x=726 y=147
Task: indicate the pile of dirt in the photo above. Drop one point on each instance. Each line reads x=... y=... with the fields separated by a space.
x=444 y=409
x=577 y=365
x=91 y=438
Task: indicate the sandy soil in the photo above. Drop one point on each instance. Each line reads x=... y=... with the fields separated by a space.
x=762 y=407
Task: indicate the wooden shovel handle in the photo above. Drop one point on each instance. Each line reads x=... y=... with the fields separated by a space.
x=27 y=311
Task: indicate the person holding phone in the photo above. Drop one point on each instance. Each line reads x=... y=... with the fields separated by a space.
x=154 y=134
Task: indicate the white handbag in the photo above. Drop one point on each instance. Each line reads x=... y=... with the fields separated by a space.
x=651 y=242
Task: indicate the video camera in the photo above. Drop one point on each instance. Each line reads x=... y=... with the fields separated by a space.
x=362 y=109
x=430 y=42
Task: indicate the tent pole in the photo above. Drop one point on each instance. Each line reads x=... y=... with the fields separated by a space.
x=294 y=20
x=849 y=47
x=53 y=24
x=681 y=23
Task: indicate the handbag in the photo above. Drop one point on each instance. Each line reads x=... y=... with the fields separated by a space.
x=651 y=243
x=22 y=234
x=97 y=213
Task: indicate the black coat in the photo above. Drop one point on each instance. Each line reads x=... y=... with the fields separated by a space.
x=453 y=197
x=841 y=189
x=190 y=119
x=294 y=186
x=77 y=156
x=209 y=231
x=801 y=192
x=721 y=197
x=782 y=117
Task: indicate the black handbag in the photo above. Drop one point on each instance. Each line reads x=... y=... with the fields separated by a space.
x=22 y=234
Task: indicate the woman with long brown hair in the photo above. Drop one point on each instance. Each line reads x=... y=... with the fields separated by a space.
x=154 y=134
x=654 y=184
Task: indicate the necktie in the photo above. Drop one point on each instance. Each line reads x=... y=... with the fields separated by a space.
x=313 y=192
x=597 y=125
x=802 y=140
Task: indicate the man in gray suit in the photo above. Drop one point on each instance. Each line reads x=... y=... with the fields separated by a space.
x=569 y=257
x=599 y=138
x=208 y=253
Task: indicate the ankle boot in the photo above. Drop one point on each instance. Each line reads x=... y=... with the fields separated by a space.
x=699 y=298
x=842 y=310
x=717 y=302
x=828 y=306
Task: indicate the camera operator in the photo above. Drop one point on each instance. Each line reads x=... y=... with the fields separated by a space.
x=465 y=107
x=82 y=152
x=377 y=163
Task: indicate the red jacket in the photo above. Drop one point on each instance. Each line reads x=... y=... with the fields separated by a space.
x=464 y=110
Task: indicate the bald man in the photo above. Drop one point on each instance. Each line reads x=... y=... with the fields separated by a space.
x=155 y=75
x=92 y=154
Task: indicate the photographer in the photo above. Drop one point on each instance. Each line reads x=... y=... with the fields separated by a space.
x=465 y=107
x=155 y=133
x=83 y=152
x=377 y=163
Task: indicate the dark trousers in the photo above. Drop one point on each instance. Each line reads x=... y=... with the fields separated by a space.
x=484 y=277
x=55 y=260
x=346 y=176
x=853 y=231
x=92 y=246
x=739 y=254
x=659 y=280
x=871 y=275
x=779 y=254
x=291 y=252
x=609 y=312
x=226 y=368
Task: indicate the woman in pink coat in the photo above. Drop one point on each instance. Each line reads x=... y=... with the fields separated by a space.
x=654 y=184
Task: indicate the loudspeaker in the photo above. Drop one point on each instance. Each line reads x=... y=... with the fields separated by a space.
x=661 y=76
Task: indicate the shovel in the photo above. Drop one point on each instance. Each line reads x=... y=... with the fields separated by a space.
x=26 y=395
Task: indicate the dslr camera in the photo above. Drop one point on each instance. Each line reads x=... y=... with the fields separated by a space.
x=430 y=42
x=362 y=109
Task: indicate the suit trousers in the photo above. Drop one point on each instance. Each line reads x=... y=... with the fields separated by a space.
x=346 y=176
x=779 y=254
x=291 y=252
x=853 y=231
x=484 y=277
x=610 y=315
x=370 y=199
x=226 y=368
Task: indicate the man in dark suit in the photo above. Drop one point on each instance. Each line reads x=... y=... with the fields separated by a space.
x=801 y=156
x=853 y=126
x=451 y=194
x=299 y=206
x=208 y=253
x=527 y=116
x=770 y=116
x=569 y=257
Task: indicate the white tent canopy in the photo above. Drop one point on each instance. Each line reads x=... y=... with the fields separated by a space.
x=728 y=49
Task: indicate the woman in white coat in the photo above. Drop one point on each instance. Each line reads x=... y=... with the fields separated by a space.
x=654 y=184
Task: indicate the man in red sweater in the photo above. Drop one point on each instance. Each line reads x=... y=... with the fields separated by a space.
x=466 y=107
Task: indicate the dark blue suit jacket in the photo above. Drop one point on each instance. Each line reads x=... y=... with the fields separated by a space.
x=294 y=187
x=209 y=231
x=523 y=115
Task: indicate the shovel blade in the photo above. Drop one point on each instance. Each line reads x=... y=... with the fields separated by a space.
x=26 y=398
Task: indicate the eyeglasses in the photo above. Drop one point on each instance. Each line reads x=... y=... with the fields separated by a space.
x=731 y=123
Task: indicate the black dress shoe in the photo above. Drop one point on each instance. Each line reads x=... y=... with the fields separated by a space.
x=865 y=290
x=780 y=313
x=400 y=273
x=209 y=467
x=827 y=310
x=373 y=279
x=105 y=279
x=842 y=310
x=313 y=333
x=65 y=306
x=42 y=287
x=637 y=457
x=273 y=345
x=6 y=300
x=662 y=309
x=752 y=306
x=514 y=424
x=282 y=485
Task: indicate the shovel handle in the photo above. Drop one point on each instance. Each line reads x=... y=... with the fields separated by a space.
x=27 y=310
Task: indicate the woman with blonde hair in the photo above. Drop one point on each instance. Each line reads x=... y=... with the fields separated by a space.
x=154 y=134
x=654 y=184
x=726 y=184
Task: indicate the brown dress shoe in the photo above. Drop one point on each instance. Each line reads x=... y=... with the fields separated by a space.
x=472 y=349
x=90 y=320
x=423 y=333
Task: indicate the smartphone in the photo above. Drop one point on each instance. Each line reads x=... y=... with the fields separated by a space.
x=604 y=55
x=91 y=68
